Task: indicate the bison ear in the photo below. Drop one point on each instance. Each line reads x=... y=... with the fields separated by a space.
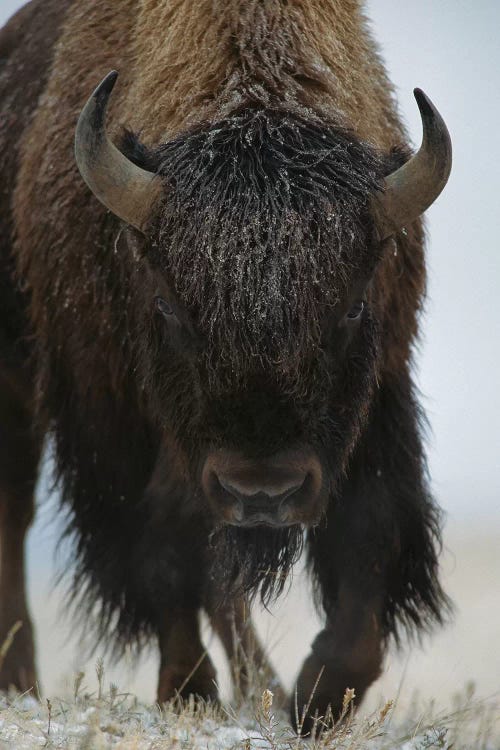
x=411 y=189
x=127 y=190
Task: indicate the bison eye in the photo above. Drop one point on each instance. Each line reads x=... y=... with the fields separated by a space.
x=356 y=311
x=163 y=307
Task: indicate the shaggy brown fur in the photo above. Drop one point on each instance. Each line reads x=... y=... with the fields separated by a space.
x=244 y=79
x=155 y=100
x=25 y=52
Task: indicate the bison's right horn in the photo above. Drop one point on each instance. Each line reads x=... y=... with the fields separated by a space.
x=127 y=190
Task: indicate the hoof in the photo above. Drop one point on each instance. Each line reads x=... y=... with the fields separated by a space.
x=17 y=667
x=320 y=693
x=177 y=681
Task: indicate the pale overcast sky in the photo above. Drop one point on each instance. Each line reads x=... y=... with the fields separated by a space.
x=450 y=49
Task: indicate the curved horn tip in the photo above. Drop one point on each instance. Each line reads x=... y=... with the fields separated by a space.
x=425 y=105
x=437 y=128
x=106 y=86
x=93 y=114
x=422 y=98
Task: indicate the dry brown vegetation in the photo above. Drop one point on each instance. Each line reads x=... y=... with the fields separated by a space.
x=110 y=718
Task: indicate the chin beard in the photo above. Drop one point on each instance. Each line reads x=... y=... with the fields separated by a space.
x=248 y=560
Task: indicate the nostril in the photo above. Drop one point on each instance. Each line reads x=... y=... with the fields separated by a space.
x=222 y=495
x=292 y=490
x=228 y=487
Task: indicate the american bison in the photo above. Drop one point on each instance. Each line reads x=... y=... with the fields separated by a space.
x=215 y=326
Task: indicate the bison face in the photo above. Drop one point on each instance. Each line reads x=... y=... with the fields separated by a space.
x=259 y=412
x=264 y=416
x=255 y=242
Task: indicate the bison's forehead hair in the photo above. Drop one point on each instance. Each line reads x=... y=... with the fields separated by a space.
x=264 y=223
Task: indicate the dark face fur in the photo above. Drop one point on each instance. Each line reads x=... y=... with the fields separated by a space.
x=260 y=342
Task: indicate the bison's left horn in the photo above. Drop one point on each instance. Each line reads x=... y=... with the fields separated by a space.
x=411 y=189
x=127 y=190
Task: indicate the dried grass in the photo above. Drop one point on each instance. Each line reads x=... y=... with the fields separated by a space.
x=109 y=718
x=254 y=720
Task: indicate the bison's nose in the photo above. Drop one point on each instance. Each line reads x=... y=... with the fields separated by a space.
x=251 y=500
x=257 y=495
x=272 y=487
x=247 y=493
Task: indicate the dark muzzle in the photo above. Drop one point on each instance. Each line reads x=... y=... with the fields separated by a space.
x=277 y=491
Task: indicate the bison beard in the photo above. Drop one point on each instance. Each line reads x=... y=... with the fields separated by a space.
x=253 y=560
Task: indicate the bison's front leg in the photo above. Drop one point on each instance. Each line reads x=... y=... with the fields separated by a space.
x=346 y=654
x=185 y=667
x=178 y=582
x=19 y=456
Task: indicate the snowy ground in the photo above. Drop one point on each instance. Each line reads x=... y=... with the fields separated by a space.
x=111 y=719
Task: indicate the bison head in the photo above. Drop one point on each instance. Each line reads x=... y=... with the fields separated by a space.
x=256 y=241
